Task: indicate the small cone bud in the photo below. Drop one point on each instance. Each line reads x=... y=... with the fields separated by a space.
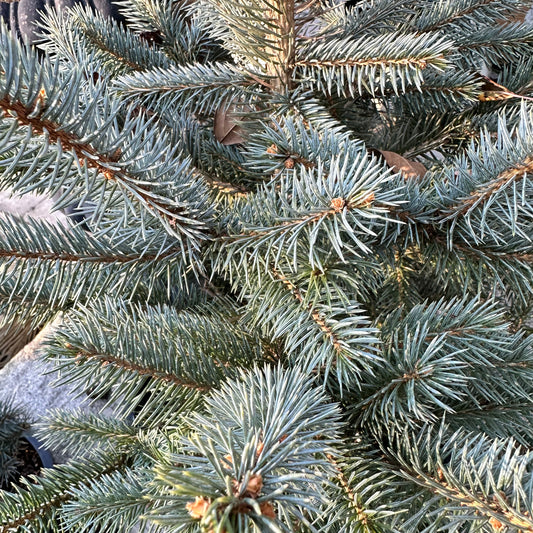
x=198 y=508
x=255 y=485
x=259 y=449
x=338 y=204
x=496 y=524
x=289 y=163
x=267 y=510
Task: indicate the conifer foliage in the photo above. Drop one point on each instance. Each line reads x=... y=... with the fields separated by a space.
x=300 y=266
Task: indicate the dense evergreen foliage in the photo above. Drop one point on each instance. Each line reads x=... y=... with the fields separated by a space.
x=13 y=423
x=300 y=264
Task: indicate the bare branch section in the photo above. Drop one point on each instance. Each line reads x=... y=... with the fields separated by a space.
x=282 y=17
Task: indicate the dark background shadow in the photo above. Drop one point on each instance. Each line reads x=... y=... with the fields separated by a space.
x=21 y=16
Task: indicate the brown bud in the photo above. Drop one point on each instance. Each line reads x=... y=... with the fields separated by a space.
x=289 y=163
x=496 y=524
x=198 y=508
x=267 y=510
x=259 y=449
x=39 y=100
x=440 y=474
x=338 y=204
x=68 y=346
x=255 y=486
x=272 y=149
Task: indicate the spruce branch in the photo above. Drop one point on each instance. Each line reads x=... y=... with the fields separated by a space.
x=116 y=503
x=42 y=101
x=411 y=380
x=81 y=431
x=327 y=335
x=88 y=39
x=367 y=17
x=478 y=180
x=477 y=475
x=364 y=494
x=32 y=249
x=198 y=87
x=371 y=64
x=113 y=47
x=238 y=457
x=158 y=356
x=495 y=44
x=405 y=297
x=445 y=92
x=464 y=13
x=169 y=212
x=503 y=420
x=310 y=203
x=180 y=34
x=485 y=268
x=35 y=505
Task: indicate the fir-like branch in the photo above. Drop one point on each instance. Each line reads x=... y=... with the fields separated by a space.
x=195 y=88
x=157 y=356
x=35 y=505
x=464 y=13
x=322 y=333
x=240 y=455
x=370 y=64
x=478 y=476
x=31 y=249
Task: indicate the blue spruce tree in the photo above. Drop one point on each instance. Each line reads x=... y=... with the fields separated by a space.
x=303 y=270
